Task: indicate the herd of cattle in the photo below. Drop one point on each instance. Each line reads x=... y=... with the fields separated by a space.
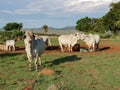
x=35 y=45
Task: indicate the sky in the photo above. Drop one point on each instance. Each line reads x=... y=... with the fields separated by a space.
x=54 y=13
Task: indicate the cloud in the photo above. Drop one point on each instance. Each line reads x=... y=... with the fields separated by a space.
x=62 y=7
x=52 y=12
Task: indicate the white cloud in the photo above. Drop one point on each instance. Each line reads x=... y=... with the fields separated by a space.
x=58 y=12
x=63 y=7
x=78 y=6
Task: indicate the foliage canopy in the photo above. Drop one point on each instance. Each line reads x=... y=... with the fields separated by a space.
x=13 y=26
x=110 y=21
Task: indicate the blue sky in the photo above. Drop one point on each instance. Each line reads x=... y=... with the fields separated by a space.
x=54 y=13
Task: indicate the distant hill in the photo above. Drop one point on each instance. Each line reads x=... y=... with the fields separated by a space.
x=64 y=28
x=52 y=30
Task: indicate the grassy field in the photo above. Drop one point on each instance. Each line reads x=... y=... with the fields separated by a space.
x=73 y=71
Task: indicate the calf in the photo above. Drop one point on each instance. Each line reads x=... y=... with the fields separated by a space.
x=10 y=45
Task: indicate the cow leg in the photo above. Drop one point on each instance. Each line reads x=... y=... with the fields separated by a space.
x=36 y=63
x=49 y=42
x=93 y=47
x=40 y=63
x=14 y=48
x=30 y=62
x=89 y=48
x=8 y=48
x=97 y=46
x=69 y=48
x=61 y=47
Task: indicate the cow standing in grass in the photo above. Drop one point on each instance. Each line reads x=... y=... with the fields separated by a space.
x=10 y=45
x=68 y=41
x=92 y=41
x=46 y=39
x=97 y=40
x=34 y=47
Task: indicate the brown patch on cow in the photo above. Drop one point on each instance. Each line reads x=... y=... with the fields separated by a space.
x=46 y=72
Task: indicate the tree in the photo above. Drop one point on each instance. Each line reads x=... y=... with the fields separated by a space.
x=117 y=24
x=13 y=26
x=83 y=24
x=111 y=19
x=45 y=28
x=97 y=25
x=20 y=26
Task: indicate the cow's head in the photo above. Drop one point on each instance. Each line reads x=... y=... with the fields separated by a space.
x=82 y=36
x=28 y=37
x=77 y=35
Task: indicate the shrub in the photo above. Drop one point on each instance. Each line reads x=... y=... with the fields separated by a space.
x=5 y=35
x=105 y=36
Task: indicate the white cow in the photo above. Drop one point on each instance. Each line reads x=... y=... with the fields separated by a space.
x=68 y=41
x=46 y=39
x=97 y=40
x=34 y=48
x=10 y=45
x=92 y=41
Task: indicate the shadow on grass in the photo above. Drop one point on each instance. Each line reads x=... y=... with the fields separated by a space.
x=63 y=60
x=9 y=54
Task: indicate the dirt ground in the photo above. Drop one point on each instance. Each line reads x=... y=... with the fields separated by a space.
x=110 y=48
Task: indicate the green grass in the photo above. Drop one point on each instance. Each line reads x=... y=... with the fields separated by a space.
x=74 y=71
x=19 y=43
x=54 y=41
x=78 y=71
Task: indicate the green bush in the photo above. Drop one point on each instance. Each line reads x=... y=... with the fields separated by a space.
x=105 y=36
x=5 y=35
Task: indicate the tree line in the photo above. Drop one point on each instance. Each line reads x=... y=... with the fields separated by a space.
x=110 y=21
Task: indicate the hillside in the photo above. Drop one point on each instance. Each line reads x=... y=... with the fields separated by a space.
x=52 y=30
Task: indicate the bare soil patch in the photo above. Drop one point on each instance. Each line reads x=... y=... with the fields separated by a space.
x=103 y=48
x=46 y=72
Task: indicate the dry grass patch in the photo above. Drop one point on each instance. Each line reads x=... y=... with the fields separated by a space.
x=46 y=72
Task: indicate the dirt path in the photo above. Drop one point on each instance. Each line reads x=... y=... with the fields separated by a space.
x=103 y=48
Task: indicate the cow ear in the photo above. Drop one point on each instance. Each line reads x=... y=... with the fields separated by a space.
x=24 y=37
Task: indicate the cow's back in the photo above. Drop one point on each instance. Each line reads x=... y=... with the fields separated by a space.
x=65 y=39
